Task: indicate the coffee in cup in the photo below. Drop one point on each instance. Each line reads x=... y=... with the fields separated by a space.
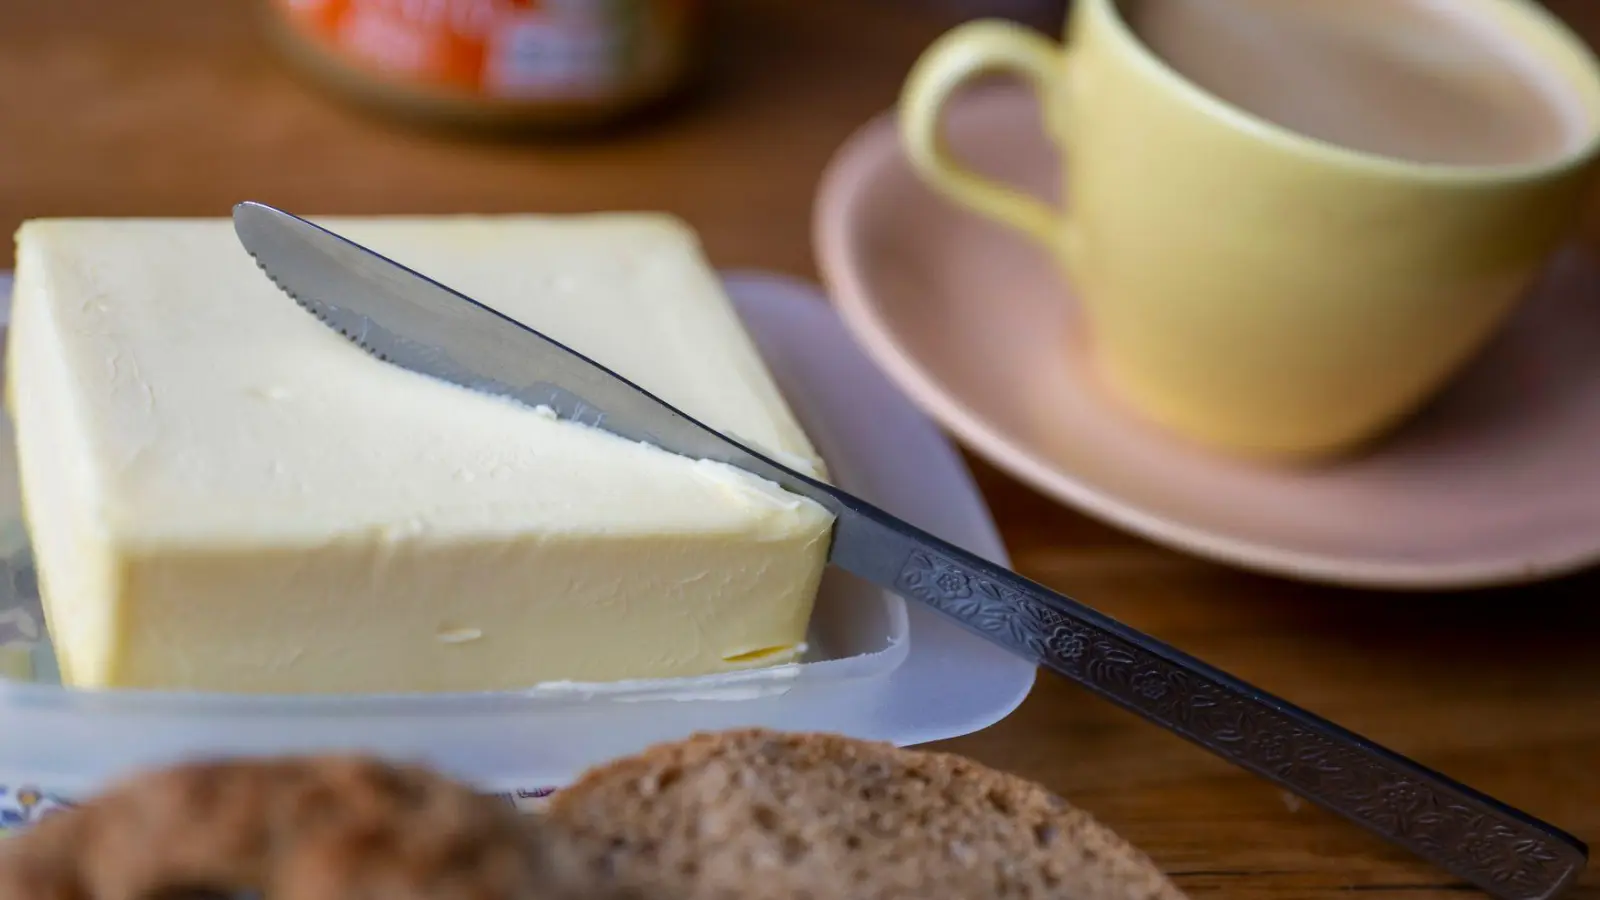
x=1409 y=79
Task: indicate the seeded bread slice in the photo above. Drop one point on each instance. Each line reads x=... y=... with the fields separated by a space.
x=755 y=814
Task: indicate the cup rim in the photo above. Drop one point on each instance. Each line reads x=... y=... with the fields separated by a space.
x=1579 y=155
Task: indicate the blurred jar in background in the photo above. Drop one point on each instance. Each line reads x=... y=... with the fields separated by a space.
x=495 y=63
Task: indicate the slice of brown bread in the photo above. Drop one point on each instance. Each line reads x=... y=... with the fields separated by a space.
x=755 y=814
x=303 y=828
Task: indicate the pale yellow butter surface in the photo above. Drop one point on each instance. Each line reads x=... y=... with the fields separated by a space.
x=222 y=494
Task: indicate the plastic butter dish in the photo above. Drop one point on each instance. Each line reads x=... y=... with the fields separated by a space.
x=874 y=668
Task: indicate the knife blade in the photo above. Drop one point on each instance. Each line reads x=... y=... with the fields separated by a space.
x=405 y=318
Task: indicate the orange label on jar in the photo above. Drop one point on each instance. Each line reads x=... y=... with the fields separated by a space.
x=498 y=48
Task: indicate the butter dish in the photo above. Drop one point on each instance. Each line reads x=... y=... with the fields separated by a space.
x=874 y=668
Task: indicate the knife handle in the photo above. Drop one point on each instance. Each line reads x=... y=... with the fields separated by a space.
x=1507 y=853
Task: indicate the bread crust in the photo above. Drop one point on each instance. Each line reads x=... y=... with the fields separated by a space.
x=755 y=814
x=315 y=828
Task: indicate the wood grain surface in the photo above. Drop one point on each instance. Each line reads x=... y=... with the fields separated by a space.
x=168 y=107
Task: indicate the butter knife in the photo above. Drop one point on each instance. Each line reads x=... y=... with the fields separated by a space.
x=407 y=319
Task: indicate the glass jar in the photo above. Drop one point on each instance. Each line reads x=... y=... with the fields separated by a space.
x=539 y=63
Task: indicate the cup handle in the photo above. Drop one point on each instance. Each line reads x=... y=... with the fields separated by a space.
x=958 y=55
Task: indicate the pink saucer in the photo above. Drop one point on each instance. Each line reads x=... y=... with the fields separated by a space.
x=1497 y=482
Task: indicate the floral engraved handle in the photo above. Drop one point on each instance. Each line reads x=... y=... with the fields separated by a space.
x=1503 y=851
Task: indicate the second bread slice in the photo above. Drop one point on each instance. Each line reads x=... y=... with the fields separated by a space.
x=757 y=814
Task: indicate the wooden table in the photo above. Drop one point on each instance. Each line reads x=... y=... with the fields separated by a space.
x=173 y=107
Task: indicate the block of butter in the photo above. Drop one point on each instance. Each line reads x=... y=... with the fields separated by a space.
x=224 y=495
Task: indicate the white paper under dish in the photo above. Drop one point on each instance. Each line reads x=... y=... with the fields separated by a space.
x=57 y=743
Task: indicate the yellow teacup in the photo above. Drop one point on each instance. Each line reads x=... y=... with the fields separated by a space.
x=1255 y=289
